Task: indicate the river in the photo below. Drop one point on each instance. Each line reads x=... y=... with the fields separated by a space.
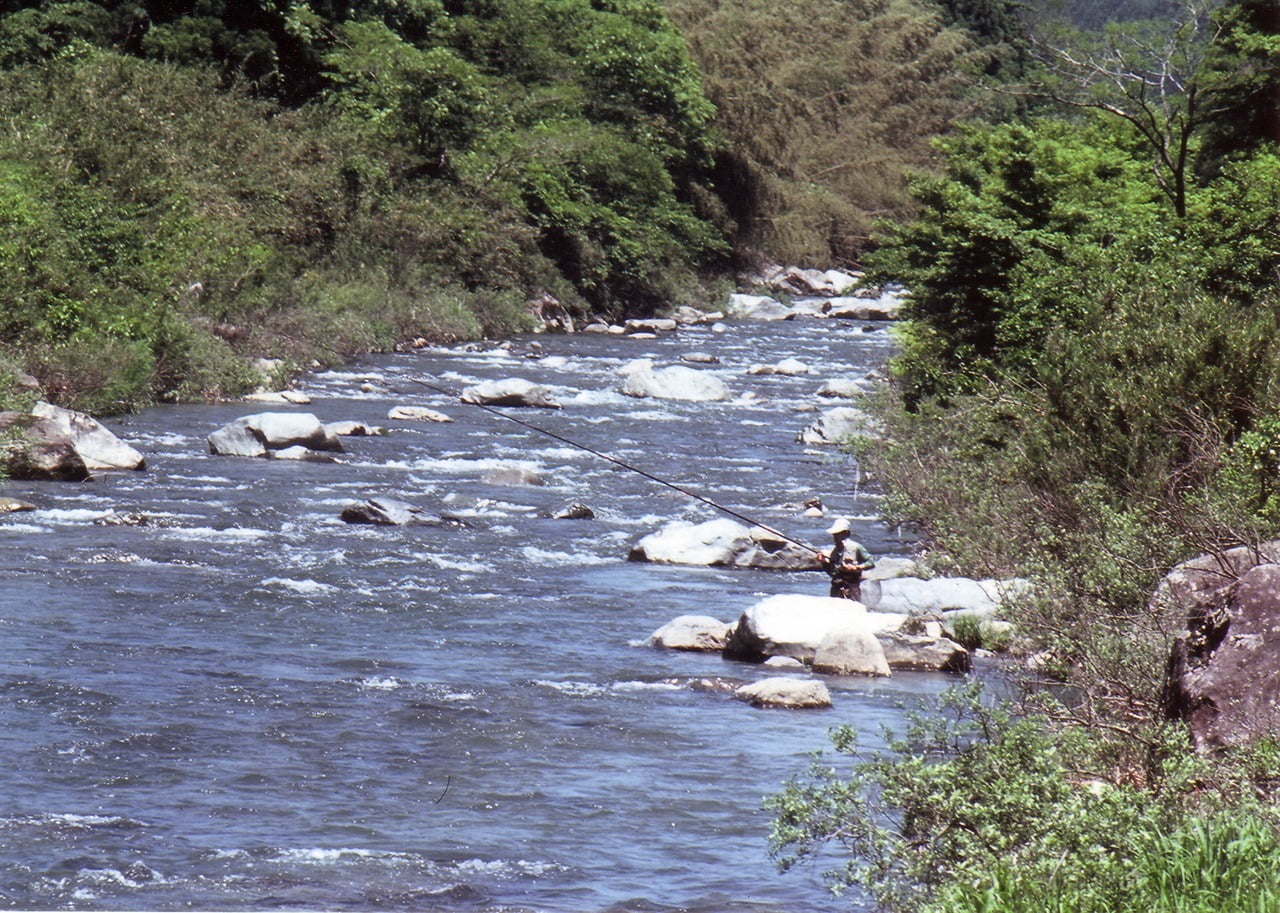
x=248 y=704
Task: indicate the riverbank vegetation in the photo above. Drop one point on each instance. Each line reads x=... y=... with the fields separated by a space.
x=184 y=186
x=1085 y=396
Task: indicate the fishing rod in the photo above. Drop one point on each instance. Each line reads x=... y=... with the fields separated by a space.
x=617 y=462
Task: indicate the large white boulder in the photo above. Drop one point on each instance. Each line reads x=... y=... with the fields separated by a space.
x=98 y=447
x=513 y=391
x=915 y=596
x=790 y=624
x=255 y=435
x=722 y=543
x=677 y=382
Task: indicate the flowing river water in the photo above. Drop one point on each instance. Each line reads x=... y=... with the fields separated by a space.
x=248 y=704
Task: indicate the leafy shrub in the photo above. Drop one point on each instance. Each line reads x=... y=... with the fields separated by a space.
x=977 y=810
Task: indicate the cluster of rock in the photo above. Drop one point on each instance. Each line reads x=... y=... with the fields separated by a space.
x=824 y=635
x=796 y=280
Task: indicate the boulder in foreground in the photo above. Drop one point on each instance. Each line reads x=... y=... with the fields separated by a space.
x=98 y=447
x=1224 y=671
x=35 y=448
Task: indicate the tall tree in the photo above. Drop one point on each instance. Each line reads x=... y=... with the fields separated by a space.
x=1153 y=76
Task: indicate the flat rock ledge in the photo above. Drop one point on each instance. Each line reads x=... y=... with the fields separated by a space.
x=692 y=632
x=786 y=693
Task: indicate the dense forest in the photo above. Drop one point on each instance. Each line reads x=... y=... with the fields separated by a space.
x=184 y=185
x=1082 y=198
x=1087 y=394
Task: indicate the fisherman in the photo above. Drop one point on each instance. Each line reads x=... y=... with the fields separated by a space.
x=845 y=562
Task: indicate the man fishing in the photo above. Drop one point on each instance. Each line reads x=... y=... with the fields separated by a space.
x=846 y=561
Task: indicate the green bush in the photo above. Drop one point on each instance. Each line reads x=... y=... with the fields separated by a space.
x=978 y=810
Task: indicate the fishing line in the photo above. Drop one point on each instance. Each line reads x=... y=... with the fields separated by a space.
x=612 y=459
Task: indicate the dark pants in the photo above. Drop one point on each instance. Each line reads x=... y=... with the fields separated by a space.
x=847 y=588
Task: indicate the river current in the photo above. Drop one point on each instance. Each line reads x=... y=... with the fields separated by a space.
x=247 y=703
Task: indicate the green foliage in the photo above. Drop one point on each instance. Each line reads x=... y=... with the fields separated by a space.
x=825 y=104
x=1244 y=69
x=431 y=100
x=977 y=810
x=1017 y=209
x=198 y=181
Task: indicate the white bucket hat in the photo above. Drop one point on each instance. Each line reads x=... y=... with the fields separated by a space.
x=840 y=526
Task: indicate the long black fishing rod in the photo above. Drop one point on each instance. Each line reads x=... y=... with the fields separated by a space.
x=617 y=462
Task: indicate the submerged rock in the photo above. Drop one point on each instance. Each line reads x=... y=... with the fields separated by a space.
x=788 y=367
x=574 y=511
x=13 y=506
x=384 y=512
x=416 y=414
x=676 y=382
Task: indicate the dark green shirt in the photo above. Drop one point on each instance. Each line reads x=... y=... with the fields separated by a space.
x=844 y=551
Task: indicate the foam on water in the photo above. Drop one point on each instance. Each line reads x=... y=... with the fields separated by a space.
x=309 y=714
x=305 y=587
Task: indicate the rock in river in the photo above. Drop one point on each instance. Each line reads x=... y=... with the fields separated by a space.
x=790 y=624
x=255 y=435
x=787 y=693
x=384 y=512
x=691 y=632
x=721 y=543
x=513 y=391
x=32 y=447
x=676 y=382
